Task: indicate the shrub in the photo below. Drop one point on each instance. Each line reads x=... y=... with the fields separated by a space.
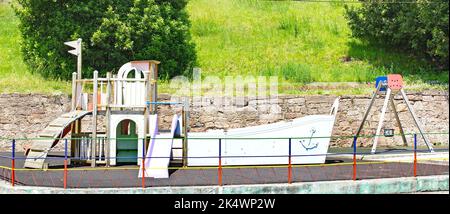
x=113 y=32
x=421 y=27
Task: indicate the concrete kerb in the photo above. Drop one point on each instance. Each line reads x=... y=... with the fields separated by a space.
x=440 y=158
x=369 y=186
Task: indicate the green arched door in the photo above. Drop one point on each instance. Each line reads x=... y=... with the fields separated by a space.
x=126 y=142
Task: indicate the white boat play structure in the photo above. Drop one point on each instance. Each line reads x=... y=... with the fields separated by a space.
x=265 y=144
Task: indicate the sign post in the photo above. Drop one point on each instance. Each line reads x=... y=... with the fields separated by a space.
x=77 y=52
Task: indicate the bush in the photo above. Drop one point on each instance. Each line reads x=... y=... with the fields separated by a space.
x=421 y=27
x=113 y=32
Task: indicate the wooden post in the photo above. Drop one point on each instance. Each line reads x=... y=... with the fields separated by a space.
x=94 y=120
x=79 y=66
x=150 y=88
x=108 y=119
x=154 y=86
x=147 y=108
x=73 y=108
x=76 y=134
x=185 y=135
x=79 y=59
x=74 y=91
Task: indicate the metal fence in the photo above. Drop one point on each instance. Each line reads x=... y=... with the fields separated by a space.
x=353 y=163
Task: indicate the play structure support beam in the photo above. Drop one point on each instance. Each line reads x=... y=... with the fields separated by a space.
x=416 y=121
x=153 y=90
x=367 y=112
x=108 y=119
x=79 y=76
x=146 y=109
x=94 y=120
x=74 y=91
x=380 y=123
x=73 y=108
x=397 y=118
x=79 y=59
x=184 y=112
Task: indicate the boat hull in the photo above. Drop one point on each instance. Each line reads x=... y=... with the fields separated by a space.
x=310 y=138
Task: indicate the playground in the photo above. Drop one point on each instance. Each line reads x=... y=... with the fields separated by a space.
x=132 y=149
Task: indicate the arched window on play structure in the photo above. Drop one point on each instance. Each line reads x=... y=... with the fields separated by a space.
x=128 y=127
x=133 y=74
x=129 y=91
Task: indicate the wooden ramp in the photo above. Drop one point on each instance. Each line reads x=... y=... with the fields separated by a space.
x=50 y=136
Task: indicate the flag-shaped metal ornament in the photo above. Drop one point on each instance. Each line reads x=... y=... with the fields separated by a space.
x=74 y=44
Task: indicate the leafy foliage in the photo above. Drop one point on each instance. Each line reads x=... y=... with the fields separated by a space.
x=113 y=32
x=421 y=28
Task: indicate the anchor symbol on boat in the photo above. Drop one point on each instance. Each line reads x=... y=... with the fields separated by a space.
x=309 y=146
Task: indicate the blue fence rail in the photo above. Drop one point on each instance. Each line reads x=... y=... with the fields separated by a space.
x=353 y=153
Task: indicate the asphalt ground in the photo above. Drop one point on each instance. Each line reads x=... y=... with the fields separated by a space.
x=127 y=175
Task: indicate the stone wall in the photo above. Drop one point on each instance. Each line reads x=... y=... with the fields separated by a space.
x=24 y=115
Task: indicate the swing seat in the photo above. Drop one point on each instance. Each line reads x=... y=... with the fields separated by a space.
x=395 y=81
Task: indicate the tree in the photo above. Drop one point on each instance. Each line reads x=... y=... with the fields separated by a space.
x=421 y=27
x=113 y=32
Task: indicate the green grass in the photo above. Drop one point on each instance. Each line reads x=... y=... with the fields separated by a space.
x=14 y=74
x=297 y=41
x=300 y=42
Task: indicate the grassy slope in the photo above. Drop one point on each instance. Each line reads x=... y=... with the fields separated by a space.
x=298 y=41
x=14 y=74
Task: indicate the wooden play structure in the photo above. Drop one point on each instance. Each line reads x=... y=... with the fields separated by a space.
x=388 y=86
x=126 y=100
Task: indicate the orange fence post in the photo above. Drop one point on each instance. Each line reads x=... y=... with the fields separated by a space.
x=354 y=158
x=13 y=156
x=290 y=164
x=143 y=163
x=415 y=155
x=65 y=163
x=220 y=162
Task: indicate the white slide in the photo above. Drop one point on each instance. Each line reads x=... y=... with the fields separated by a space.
x=159 y=151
